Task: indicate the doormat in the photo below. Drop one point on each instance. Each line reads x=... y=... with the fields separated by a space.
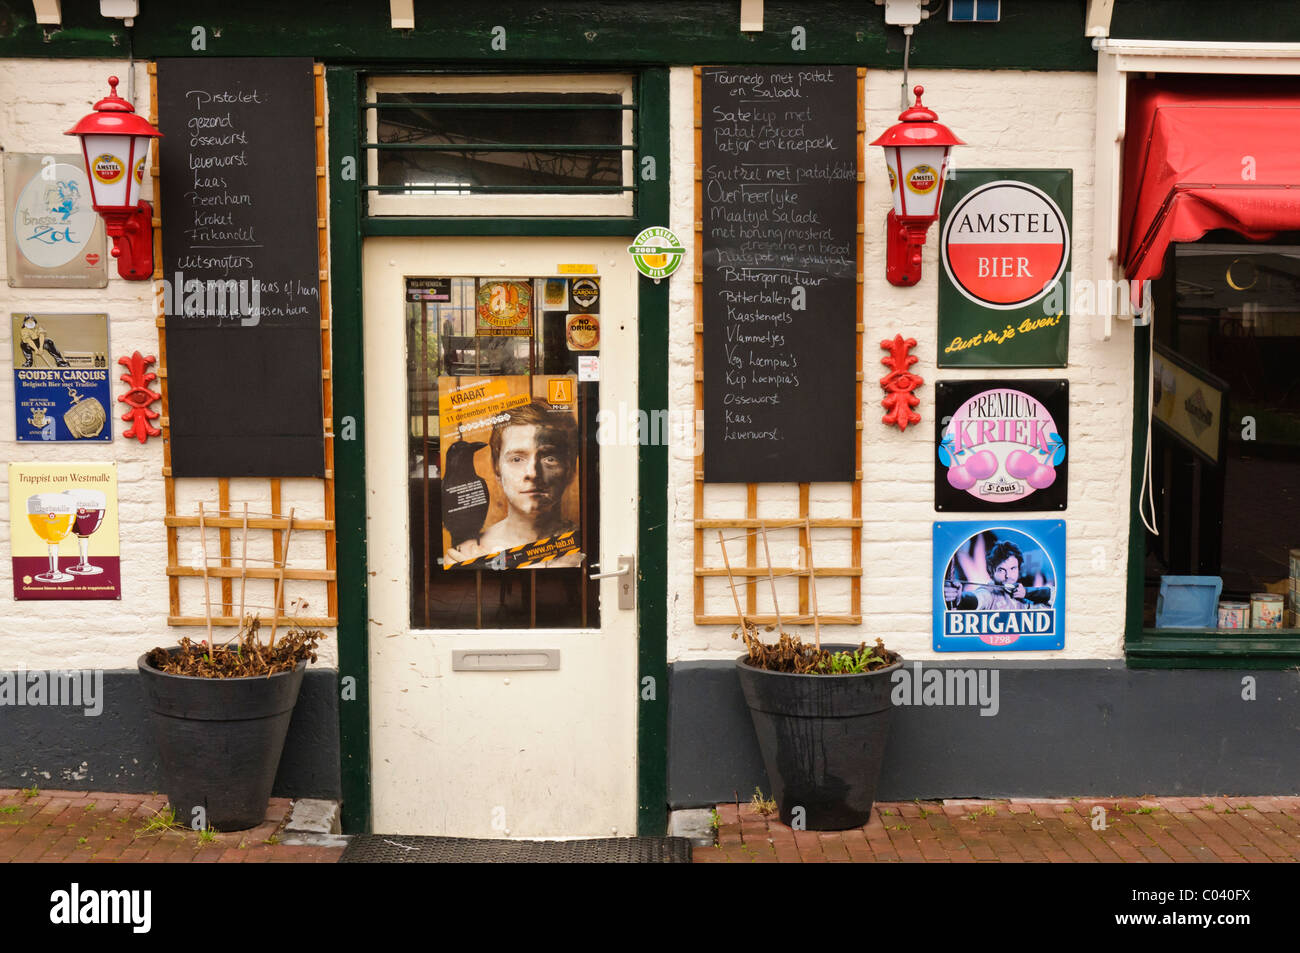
x=404 y=849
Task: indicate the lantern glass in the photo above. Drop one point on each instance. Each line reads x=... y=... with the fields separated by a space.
x=920 y=175
x=108 y=167
x=891 y=160
x=139 y=167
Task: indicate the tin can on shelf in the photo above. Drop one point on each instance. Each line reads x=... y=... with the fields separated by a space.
x=1234 y=615
x=1265 y=610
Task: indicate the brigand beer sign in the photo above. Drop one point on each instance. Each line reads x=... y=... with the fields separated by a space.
x=1005 y=249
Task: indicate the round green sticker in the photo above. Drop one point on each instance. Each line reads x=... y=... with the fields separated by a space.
x=657 y=252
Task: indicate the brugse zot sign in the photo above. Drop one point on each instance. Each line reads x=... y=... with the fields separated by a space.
x=1005 y=245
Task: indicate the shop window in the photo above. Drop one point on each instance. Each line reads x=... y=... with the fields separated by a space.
x=1225 y=436
x=500 y=145
x=463 y=553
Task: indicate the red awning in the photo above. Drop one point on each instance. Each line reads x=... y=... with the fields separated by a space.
x=1207 y=153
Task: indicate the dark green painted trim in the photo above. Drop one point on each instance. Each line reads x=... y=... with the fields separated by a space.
x=1137 y=546
x=1042 y=34
x=1210 y=648
x=1206 y=20
x=342 y=90
x=545 y=227
x=652 y=479
x=1180 y=648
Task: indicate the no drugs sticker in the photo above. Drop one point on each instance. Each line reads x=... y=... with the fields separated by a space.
x=1005 y=245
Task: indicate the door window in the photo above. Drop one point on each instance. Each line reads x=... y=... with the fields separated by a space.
x=503 y=460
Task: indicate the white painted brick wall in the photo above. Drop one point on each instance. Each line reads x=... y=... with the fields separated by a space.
x=39 y=101
x=1009 y=119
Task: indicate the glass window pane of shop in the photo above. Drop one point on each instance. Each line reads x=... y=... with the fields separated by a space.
x=1226 y=425
x=458 y=164
x=516 y=478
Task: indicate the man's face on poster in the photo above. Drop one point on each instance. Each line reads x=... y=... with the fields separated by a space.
x=534 y=472
x=1007 y=573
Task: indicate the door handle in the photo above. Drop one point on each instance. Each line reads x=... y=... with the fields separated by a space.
x=618 y=572
x=627 y=587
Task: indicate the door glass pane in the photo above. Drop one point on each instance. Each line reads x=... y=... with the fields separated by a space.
x=503 y=461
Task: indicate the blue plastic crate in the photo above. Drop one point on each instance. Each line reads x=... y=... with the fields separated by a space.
x=1188 y=602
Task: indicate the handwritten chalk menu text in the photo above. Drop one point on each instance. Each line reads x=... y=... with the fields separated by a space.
x=241 y=266
x=779 y=216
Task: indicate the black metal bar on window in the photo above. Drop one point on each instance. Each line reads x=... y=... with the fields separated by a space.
x=454 y=187
x=512 y=106
x=494 y=147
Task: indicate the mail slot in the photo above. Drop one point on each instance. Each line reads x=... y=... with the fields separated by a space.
x=505 y=660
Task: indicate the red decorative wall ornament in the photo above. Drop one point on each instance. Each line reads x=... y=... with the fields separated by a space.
x=899 y=383
x=139 y=397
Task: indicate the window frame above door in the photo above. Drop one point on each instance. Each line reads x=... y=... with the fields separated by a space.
x=595 y=203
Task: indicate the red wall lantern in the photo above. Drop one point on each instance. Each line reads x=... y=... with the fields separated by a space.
x=115 y=143
x=916 y=149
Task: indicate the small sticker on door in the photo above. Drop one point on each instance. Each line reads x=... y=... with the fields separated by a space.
x=585 y=294
x=582 y=332
x=559 y=390
x=588 y=367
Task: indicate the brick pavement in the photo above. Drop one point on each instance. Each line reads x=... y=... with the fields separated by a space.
x=51 y=827
x=1034 y=830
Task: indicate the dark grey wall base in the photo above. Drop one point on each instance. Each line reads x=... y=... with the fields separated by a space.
x=63 y=748
x=1062 y=729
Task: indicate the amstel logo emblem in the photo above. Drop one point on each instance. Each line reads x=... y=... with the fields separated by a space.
x=922 y=179
x=107 y=168
x=893 y=179
x=139 y=171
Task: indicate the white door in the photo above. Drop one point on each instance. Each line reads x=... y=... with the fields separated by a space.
x=502 y=700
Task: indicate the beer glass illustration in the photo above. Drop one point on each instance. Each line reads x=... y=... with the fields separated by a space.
x=88 y=507
x=51 y=517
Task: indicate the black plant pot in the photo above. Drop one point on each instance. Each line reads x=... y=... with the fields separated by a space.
x=219 y=741
x=823 y=740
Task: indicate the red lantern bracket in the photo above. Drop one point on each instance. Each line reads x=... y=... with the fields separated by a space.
x=899 y=383
x=139 y=397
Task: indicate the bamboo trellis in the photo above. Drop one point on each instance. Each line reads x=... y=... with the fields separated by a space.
x=278 y=570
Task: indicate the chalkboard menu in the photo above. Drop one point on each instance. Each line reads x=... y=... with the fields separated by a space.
x=779 y=217
x=240 y=266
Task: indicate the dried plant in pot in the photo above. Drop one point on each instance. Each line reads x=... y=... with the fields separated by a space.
x=822 y=716
x=220 y=715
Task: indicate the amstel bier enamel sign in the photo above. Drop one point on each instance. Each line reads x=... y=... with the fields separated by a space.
x=1005 y=249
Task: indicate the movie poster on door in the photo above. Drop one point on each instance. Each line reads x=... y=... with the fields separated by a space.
x=53 y=236
x=1001 y=445
x=510 y=461
x=999 y=586
x=61 y=385
x=1004 y=276
x=63 y=521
